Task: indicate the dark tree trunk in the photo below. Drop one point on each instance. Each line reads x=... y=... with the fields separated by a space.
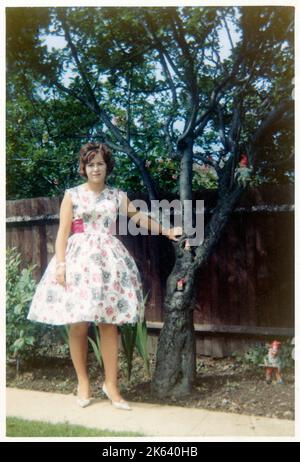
x=176 y=355
x=175 y=371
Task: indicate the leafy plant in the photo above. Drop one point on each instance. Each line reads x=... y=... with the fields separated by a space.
x=64 y=332
x=255 y=356
x=20 y=286
x=142 y=341
x=96 y=345
x=286 y=354
x=135 y=336
x=128 y=337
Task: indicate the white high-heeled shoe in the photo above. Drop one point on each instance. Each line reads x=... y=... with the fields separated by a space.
x=83 y=402
x=118 y=404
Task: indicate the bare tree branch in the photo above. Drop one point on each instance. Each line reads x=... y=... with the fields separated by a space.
x=222 y=133
x=189 y=68
x=233 y=135
x=153 y=37
x=129 y=120
x=227 y=30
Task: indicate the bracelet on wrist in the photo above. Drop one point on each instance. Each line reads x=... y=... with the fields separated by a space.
x=63 y=264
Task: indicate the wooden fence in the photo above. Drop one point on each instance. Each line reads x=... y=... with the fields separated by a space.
x=245 y=292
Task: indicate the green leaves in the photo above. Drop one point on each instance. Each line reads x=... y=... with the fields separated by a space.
x=128 y=337
x=96 y=346
x=20 y=287
x=121 y=52
x=136 y=336
x=141 y=343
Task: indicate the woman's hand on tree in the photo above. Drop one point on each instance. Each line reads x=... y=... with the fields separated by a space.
x=173 y=232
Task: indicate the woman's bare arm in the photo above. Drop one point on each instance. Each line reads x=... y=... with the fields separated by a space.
x=147 y=222
x=65 y=222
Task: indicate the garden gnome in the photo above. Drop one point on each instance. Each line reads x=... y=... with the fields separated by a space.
x=273 y=362
x=243 y=171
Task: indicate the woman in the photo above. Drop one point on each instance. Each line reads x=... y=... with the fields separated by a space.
x=92 y=277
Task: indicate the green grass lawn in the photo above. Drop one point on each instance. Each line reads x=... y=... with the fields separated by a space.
x=23 y=428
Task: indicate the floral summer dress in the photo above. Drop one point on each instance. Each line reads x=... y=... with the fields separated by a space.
x=103 y=284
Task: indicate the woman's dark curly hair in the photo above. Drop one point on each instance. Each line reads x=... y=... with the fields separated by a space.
x=88 y=152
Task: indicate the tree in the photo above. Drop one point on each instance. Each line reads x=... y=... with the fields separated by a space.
x=231 y=115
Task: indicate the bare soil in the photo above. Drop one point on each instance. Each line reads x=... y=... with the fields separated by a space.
x=221 y=384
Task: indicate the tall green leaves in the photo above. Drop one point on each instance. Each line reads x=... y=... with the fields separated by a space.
x=142 y=344
x=20 y=285
x=96 y=345
x=128 y=337
x=135 y=336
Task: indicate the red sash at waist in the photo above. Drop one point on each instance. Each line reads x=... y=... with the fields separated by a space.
x=77 y=226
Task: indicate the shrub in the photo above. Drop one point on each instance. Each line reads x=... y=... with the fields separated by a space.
x=20 y=287
x=255 y=356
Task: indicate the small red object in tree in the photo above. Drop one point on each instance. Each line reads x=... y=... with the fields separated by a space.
x=180 y=284
x=244 y=160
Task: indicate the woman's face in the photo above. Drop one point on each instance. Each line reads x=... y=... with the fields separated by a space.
x=96 y=169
